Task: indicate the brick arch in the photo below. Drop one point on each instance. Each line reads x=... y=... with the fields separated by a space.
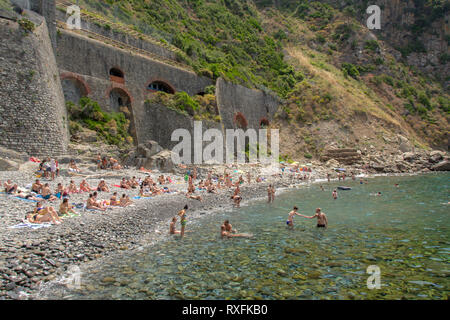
x=240 y=120
x=146 y=90
x=71 y=75
x=121 y=87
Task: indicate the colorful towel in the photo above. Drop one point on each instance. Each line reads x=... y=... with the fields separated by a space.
x=138 y=197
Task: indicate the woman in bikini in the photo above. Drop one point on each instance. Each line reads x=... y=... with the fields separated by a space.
x=93 y=204
x=41 y=214
x=113 y=200
x=183 y=220
x=73 y=187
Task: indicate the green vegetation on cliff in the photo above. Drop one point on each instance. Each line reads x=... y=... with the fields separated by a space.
x=111 y=127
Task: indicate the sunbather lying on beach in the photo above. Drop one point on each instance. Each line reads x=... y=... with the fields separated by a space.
x=65 y=208
x=41 y=214
x=27 y=196
x=190 y=196
x=113 y=200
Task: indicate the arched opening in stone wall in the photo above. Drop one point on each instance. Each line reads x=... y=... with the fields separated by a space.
x=240 y=121
x=264 y=123
x=73 y=89
x=117 y=75
x=120 y=101
x=160 y=86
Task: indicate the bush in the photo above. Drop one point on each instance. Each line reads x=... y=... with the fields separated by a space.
x=371 y=45
x=27 y=25
x=351 y=70
x=112 y=127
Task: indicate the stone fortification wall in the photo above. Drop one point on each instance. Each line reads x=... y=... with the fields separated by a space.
x=32 y=111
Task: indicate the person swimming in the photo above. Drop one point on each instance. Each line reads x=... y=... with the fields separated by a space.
x=226 y=230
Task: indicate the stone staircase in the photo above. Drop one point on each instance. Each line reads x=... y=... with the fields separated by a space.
x=344 y=156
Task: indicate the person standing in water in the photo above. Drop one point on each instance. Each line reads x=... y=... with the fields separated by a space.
x=322 y=221
x=290 y=220
x=182 y=215
x=269 y=193
x=335 y=194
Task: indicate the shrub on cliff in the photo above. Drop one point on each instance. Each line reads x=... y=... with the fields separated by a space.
x=111 y=126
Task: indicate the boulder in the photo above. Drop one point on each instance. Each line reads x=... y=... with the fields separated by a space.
x=441 y=166
x=148 y=149
x=13 y=155
x=8 y=165
x=161 y=161
x=436 y=156
x=377 y=166
x=409 y=156
x=332 y=163
x=405 y=147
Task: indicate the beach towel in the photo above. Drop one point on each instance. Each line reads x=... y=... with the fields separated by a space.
x=27 y=200
x=138 y=197
x=31 y=225
x=117 y=185
x=70 y=215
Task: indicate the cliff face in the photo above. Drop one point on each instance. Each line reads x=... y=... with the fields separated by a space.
x=417 y=29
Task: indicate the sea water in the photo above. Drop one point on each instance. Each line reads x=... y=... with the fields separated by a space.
x=404 y=232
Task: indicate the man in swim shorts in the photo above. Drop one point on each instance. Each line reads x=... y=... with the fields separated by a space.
x=322 y=221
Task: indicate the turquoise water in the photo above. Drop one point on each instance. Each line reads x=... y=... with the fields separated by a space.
x=405 y=232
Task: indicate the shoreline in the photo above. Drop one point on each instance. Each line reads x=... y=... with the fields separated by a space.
x=43 y=256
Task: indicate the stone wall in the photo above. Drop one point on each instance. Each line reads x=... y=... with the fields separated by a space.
x=158 y=123
x=32 y=113
x=47 y=9
x=254 y=105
